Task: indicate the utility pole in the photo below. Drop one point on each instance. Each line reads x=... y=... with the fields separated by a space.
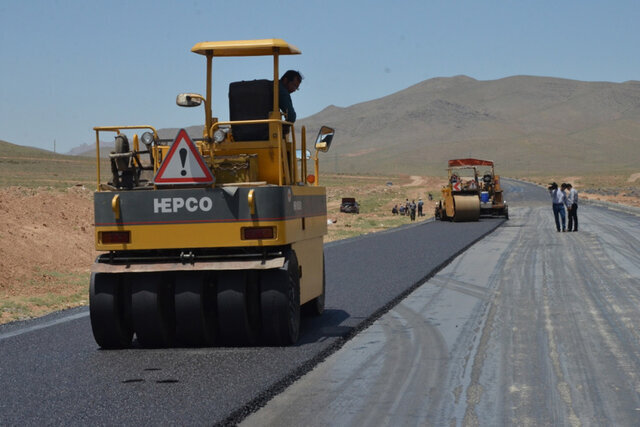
x=54 y=146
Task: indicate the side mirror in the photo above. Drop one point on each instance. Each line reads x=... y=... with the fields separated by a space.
x=189 y=99
x=324 y=138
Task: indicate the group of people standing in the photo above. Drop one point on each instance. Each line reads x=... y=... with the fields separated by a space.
x=409 y=208
x=565 y=196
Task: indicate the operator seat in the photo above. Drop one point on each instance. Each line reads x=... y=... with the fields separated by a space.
x=250 y=100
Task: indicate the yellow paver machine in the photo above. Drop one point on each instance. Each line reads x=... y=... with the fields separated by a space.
x=216 y=239
x=470 y=192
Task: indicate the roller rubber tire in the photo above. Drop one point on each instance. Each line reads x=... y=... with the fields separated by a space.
x=152 y=304
x=195 y=306
x=237 y=303
x=280 y=303
x=109 y=310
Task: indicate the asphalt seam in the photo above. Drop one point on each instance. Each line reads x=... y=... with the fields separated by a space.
x=238 y=415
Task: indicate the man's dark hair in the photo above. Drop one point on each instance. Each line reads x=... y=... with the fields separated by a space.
x=291 y=75
x=568 y=185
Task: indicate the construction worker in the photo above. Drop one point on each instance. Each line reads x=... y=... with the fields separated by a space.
x=558 y=199
x=289 y=83
x=572 y=207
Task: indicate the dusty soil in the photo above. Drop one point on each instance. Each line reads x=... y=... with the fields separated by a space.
x=47 y=238
x=376 y=200
x=413 y=187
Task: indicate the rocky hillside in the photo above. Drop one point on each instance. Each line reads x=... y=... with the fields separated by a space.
x=528 y=125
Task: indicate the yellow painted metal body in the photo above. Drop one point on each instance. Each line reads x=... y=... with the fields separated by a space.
x=219 y=233
x=273 y=163
x=144 y=237
x=498 y=198
x=468 y=194
x=310 y=258
x=447 y=201
x=461 y=196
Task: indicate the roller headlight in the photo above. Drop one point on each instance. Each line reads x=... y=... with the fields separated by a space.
x=147 y=138
x=219 y=135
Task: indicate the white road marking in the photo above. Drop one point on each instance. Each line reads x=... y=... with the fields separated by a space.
x=43 y=325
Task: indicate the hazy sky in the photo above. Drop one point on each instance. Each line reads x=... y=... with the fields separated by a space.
x=68 y=66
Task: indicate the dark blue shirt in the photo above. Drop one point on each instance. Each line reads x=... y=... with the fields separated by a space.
x=286 y=106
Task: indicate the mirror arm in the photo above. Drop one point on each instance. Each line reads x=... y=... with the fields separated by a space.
x=316 y=165
x=303 y=154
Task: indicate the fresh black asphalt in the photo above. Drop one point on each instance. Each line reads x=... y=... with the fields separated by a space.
x=52 y=372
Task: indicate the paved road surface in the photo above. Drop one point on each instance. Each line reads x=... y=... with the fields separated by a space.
x=527 y=327
x=51 y=371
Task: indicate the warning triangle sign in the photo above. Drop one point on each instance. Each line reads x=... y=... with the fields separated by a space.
x=183 y=164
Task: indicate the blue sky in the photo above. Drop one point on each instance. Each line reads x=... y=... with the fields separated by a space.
x=68 y=66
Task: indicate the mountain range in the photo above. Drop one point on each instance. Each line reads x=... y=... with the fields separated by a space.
x=528 y=125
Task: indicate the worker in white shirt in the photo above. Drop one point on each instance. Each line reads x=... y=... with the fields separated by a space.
x=558 y=198
x=572 y=208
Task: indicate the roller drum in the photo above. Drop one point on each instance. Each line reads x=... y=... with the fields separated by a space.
x=466 y=208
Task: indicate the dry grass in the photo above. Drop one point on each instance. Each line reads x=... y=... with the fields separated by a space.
x=376 y=199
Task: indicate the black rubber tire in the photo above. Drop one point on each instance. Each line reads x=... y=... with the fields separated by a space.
x=195 y=305
x=109 y=310
x=280 y=303
x=238 y=308
x=152 y=310
x=315 y=307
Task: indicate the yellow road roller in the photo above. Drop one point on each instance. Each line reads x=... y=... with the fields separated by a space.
x=461 y=195
x=492 y=202
x=212 y=239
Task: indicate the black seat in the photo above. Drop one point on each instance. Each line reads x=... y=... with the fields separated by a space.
x=250 y=100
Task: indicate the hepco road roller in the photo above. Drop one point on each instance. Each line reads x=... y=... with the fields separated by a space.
x=216 y=240
x=468 y=195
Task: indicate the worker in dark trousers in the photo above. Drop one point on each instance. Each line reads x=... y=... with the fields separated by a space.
x=572 y=208
x=558 y=198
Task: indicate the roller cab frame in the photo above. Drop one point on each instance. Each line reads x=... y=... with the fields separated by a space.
x=470 y=193
x=231 y=260
x=460 y=199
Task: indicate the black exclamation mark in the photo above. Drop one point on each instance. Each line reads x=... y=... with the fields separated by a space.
x=183 y=159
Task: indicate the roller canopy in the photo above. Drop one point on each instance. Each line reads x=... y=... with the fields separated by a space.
x=469 y=162
x=246 y=48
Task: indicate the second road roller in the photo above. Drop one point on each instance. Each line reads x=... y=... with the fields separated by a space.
x=468 y=193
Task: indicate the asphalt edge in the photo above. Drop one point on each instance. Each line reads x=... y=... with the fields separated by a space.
x=279 y=386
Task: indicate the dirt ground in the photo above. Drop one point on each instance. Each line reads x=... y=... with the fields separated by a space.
x=46 y=249
x=47 y=242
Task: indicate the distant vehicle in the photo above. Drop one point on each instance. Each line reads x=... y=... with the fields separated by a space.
x=389 y=183
x=466 y=198
x=349 y=205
